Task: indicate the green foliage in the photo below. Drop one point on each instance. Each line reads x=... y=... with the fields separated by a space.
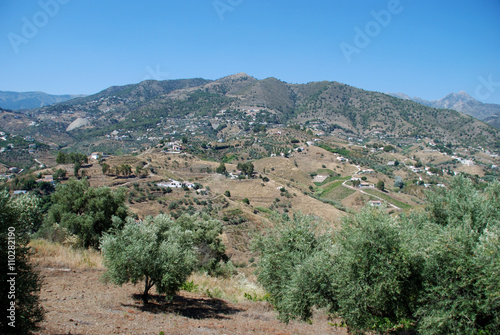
x=380 y=185
x=206 y=238
x=341 y=151
x=221 y=169
x=227 y=193
x=377 y=272
x=388 y=148
x=17 y=217
x=399 y=182
x=84 y=211
x=59 y=174
x=246 y=201
x=157 y=250
x=246 y=168
x=295 y=267
x=163 y=252
x=71 y=158
x=437 y=270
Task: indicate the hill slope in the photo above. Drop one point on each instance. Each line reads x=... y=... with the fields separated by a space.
x=332 y=107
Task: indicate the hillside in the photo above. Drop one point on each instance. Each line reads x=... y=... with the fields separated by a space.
x=135 y=116
x=29 y=100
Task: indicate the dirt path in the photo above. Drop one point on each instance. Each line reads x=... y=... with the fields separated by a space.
x=78 y=302
x=371 y=195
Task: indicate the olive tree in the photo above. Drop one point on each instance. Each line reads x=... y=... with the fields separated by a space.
x=83 y=211
x=161 y=251
x=295 y=267
x=157 y=251
x=18 y=216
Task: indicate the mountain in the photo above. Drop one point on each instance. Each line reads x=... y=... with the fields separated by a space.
x=127 y=116
x=460 y=101
x=493 y=120
x=29 y=100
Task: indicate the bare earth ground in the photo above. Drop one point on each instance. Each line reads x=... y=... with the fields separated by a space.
x=78 y=302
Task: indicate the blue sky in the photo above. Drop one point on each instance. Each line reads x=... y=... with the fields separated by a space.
x=421 y=48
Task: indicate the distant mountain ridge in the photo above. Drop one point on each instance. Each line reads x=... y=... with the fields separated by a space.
x=461 y=102
x=335 y=108
x=29 y=100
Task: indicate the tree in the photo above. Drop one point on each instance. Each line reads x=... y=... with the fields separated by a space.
x=18 y=216
x=388 y=148
x=105 y=168
x=227 y=194
x=246 y=168
x=157 y=251
x=76 y=168
x=126 y=169
x=380 y=185
x=376 y=272
x=161 y=251
x=399 y=182
x=59 y=174
x=434 y=270
x=295 y=267
x=221 y=169
x=83 y=211
x=61 y=158
x=246 y=201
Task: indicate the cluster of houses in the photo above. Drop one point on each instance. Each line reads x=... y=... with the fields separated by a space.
x=175 y=184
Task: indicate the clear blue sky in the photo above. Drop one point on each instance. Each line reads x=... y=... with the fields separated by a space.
x=422 y=48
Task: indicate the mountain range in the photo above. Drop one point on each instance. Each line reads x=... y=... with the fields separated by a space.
x=464 y=103
x=233 y=105
x=29 y=100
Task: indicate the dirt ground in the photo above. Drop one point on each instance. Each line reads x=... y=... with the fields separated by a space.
x=78 y=302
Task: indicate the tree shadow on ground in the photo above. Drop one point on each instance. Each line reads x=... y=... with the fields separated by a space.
x=194 y=308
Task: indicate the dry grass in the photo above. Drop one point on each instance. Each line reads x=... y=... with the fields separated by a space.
x=236 y=289
x=58 y=255
x=232 y=288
